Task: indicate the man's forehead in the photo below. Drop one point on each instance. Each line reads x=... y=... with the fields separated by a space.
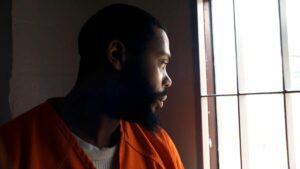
x=160 y=42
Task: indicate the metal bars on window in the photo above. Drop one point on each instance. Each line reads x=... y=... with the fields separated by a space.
x=250 y=83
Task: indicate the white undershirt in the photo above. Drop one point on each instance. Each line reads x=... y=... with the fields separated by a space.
x=104 y=158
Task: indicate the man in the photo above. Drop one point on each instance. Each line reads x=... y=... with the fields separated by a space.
x=109 y=118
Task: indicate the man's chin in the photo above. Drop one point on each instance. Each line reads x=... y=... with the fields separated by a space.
x=155 y=109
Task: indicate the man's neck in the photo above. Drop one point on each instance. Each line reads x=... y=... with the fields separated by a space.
x=101 y=131
x=106 y=135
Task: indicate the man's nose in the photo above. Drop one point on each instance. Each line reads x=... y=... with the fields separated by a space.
x=167 y=82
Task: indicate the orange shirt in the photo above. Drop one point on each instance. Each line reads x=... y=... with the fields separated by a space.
x=39 y=139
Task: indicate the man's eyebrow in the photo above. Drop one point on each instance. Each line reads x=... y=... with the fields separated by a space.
x=165 y=58
x=167 y=55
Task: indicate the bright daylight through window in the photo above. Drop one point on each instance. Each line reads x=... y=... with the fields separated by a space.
x=250 y=83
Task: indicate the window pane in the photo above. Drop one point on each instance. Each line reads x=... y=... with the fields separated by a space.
x=293 y=109
x=263 y=132
x=258 y=45
x=293 y=27
x=205 y=131
x=224 y=46
x=228 y=133
x=203 y=68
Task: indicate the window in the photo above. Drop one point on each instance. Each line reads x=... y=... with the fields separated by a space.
x=250 y=83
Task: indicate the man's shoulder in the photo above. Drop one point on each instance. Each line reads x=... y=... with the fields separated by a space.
x=23 y=125
x=23 y=118
x=15 y=135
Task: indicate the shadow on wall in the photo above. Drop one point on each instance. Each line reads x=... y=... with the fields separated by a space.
x=5 y=59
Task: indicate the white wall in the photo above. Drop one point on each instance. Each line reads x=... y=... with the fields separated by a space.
x=45 y=58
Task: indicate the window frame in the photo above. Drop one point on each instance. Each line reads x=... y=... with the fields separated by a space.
x=204 y=20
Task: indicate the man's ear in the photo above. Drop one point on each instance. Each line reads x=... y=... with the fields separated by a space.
x=116 y=54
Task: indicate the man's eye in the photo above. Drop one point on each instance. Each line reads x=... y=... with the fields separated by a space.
x=164 y=64
x=164 y=61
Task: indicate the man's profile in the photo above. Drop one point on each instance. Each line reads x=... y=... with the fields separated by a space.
x=109 y=119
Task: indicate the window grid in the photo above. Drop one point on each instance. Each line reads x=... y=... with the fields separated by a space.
x=214 y=160
x=284 y=55
x=237 y=85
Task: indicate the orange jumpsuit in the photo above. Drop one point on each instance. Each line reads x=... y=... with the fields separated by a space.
x=39 y=139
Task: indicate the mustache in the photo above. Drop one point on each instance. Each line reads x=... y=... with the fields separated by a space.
x=161 y=94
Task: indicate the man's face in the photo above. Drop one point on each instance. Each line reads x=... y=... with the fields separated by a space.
x=155 y=67
x=142 y=88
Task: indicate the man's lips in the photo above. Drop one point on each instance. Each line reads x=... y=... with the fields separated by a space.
x=161 y=100
x=164 y=98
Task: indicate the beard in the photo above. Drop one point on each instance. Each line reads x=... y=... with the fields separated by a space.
x=133 y=102
x=129 y=97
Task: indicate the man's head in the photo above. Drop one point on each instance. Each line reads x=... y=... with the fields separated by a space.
x=124 y=53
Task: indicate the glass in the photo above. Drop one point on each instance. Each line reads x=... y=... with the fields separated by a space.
x=258 y=46
x=201 y=39
x=263 y=132
x=224 y=47
x=228 y=132
x=205 y=132
x=293 y=119
x=293 y=41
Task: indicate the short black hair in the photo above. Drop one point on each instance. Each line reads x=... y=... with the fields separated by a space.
x=131 y=25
